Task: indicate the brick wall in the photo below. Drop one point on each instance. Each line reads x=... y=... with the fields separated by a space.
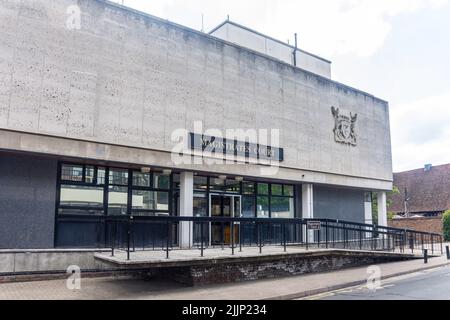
x=433 y=224
x=268 y=267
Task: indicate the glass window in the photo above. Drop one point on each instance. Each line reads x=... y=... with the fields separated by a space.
x=289 y=190
x=81 y=196
x=141 y=179
x=263 y=207
x=143 y=200
x=248 y=207
x=200 y=183
x=117 y=200
x=277 y=189
x=162 y=201
x=263 y=188
x=282 y=207
x=248 y=187
x=161 y=181
x=72 y=173
x=90 y=174
x=217 y=184
x=101 y=175
x=233 y=186
x=118 y=177
x=200 y=205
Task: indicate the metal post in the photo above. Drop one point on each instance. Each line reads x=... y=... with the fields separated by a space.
x=201 y=238
x=447 y=249
x=223 y=236
x=326 y=234
x=132 y=234
x=360 y=238
x=168 y=239
x=334 y=236
x=128 y=239
x=114 y=238
x=432 y=244
x=232 y=238
x=423 y=243
x=240 y=236
x=345 y=236
x=307 y=236
x=318 y=239
x=259 y=237
x=301 y=232
x=281 y=234
x=425 y=256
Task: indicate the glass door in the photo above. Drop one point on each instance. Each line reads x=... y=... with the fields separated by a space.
x=237 y=203
x=228 y=207
x=227 y=213
x=216 y=227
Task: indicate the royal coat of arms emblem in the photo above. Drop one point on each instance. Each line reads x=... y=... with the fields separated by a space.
x=344 y=127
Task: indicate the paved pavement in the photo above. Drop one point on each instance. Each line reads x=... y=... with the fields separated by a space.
x=283 y=288
x=425 y=285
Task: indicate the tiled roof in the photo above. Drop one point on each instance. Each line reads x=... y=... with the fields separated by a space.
x=428 y=191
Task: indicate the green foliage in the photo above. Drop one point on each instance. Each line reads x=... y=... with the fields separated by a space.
x=394 y=191
x=391 y=215
x=446 y=219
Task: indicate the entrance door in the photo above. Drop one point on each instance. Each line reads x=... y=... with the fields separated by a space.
x=228 y=207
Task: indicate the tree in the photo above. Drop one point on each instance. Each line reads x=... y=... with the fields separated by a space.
x=446 y=218
x=390 y=195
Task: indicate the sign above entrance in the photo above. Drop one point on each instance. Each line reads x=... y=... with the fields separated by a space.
x=237 y=148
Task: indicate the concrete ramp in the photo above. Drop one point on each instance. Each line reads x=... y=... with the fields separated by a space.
x=220 y=266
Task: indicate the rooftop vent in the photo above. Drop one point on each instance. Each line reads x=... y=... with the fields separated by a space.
x=428 y=167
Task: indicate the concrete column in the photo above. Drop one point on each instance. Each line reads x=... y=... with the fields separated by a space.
x=368 y=208
x=186 y=208
x=382 y=209
x=307 y=201
x=308 y=206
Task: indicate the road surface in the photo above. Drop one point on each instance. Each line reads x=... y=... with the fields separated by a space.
x=427 y=285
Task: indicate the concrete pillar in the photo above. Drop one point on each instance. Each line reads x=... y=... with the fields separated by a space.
x=186 y=208
x=307 y=201
x=368 y=208
x=308 y=206
x=382 y=209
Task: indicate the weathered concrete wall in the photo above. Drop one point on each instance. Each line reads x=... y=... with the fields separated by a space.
x=341 y=204
x=130 y=79
x=272 y=267
x=27 y=201
x=48 y=261
x=432 y=224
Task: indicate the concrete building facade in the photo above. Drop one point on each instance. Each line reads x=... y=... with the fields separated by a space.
x=92 y=94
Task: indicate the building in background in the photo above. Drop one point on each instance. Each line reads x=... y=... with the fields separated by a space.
x=424 y=192
x=88 y=111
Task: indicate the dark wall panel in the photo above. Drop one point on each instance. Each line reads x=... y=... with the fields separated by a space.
x=27 y=202
x=341 y=204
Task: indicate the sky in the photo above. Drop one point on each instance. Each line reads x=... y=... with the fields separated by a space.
x=397 y=50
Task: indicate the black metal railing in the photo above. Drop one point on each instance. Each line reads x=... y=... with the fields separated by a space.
x=138 y=233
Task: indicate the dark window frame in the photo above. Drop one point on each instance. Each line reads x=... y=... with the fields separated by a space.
x=106 y=185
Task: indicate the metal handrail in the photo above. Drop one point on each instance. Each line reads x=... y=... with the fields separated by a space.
x=347 y=235
x=70 y=217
